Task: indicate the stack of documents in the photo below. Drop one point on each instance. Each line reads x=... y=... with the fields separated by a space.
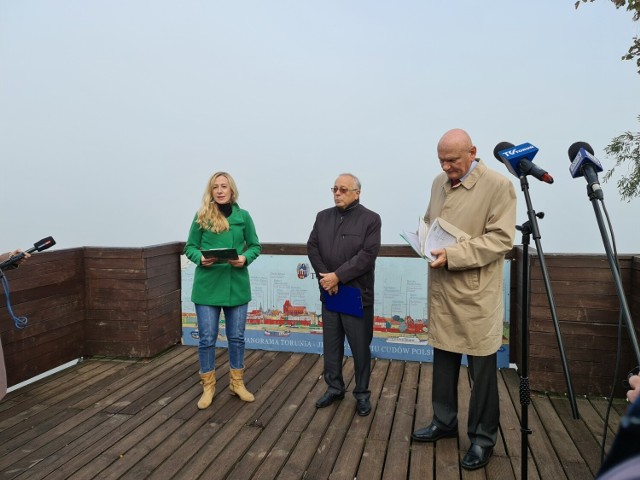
x=440 y=234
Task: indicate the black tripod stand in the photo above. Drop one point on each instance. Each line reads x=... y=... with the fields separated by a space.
x=529 y=228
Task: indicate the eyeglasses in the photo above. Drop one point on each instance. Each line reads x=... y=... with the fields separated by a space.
x=343 y=190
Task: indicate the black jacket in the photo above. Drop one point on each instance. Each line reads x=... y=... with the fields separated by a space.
x=347 y=243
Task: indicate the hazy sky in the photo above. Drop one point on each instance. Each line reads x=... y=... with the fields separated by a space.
x=114 y=114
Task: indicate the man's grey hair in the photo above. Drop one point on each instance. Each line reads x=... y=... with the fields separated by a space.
x=355 y=179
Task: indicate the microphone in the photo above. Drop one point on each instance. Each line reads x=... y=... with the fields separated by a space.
x=518 y=160
x=584 y=164
x=38 y=246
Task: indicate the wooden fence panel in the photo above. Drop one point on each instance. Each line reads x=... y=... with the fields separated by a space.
x=48 y=290
x=587 y=308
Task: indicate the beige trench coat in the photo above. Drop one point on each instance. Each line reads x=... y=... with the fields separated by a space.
x=465 y=299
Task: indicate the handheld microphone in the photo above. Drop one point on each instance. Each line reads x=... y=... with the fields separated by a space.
x=38 y=246
x=584 y=164
x=518 y=160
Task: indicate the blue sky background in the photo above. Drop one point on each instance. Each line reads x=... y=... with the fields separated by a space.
x=113 y=114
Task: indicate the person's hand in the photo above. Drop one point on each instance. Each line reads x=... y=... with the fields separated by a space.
x=634 y=393
x=440 y=261
x=329 y=282
x=207 y=262
x=239 y=262
x=16 y=252
x=6 y=256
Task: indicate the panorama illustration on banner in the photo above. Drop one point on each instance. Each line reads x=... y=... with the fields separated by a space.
x=285 y=312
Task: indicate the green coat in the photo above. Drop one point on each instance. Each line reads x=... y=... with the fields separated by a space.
x=222 y=285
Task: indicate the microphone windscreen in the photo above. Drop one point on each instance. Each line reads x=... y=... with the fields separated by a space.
x=499 y=147
x=575 y=148
x=44 y=244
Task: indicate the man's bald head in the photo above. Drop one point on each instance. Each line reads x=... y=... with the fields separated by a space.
x=457 y=138
x=456 y=153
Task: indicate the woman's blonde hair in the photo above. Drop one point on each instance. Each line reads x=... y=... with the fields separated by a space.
x=209 y=215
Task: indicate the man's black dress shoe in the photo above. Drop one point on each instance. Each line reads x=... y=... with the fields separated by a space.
x=476 y=457
x=328 y=398
x=432 y=433
x=363 y=407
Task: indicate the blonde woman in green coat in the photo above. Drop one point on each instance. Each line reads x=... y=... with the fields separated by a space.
x=221 y=285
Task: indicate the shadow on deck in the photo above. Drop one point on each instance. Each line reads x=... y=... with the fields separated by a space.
x=108 y=418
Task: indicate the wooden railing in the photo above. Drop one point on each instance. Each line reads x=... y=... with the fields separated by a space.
x=125 y=302
x=588 y=314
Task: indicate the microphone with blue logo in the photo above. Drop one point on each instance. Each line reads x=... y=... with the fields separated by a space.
x=519 y=160
x=585 y=164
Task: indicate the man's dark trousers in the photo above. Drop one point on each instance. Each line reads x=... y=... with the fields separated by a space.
x=359 y=333
x=484 y=407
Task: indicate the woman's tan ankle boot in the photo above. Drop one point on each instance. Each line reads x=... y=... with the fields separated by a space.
x=236 y=385
x=208 y=389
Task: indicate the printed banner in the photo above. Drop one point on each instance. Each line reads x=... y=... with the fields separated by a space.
x=285 y=312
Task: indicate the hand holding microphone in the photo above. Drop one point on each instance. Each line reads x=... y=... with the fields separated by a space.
x=18 y=256
x=6 y=256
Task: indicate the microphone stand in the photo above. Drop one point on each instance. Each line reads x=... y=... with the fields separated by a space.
x=613 y=265
x=528 y=228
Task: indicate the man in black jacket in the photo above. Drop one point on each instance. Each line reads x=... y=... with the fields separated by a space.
x=342 y=248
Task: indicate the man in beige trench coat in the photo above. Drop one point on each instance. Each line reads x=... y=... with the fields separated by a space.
x=465 y=293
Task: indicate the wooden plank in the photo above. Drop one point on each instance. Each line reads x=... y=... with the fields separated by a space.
x=35 y=467
x=106 y=418
x=46 y=356
x=150 y=392
x=172 y=276
x=353 y=456
x=164 y=289
x=310 y=442
x=167 y=261
x=43 y=313
x=136 y=262
x=601 y=406
x=111 y=303
x=199 y=427
x=99 y=456
x=277 y=390
x=423 y=454
x=237 y=414
x=397 y=461
x=91 y=274
x=44 y=328
x=111 y=253
x=38 y=425
x=146 y=379
x=510 y=428
x=136 y=446
x=162 y=421
x=118 y=284
x=50 y=441
x=196 y=433
x=64 y=388
x=560 y=440
x=44 y=274
x=54 y=290
x=584 y=440
x=312 y=388
x=546 y=460
x=275 y=416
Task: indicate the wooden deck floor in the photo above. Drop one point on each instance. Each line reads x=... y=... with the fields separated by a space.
x=109 y=418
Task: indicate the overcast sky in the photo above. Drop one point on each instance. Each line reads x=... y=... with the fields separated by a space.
x=114 y=114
